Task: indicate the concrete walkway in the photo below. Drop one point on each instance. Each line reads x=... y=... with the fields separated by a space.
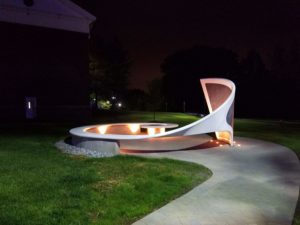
x=254 y=184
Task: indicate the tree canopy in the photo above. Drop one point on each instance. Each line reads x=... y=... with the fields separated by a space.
x=261 y=91
x=109 y=67
x=183 y=69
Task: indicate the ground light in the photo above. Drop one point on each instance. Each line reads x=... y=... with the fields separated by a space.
x=151 y=131
x=162 y=130
x=134 y=128
x=102 y=129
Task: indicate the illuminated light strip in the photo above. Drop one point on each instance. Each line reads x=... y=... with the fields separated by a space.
x=162 y=130
x=134 y=128
x=151 y=131
x=29 y=105
x=102 y=129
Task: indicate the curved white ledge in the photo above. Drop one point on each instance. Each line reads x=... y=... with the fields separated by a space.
x=219 y=95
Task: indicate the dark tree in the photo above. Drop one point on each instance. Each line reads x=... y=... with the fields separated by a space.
x=136 y=99
x=253 y=67
x=183 y=69
x=155 y=98
x=254 y=94
x=278 y=62
x=285 y=73
x=109 y=68
x=294 y=60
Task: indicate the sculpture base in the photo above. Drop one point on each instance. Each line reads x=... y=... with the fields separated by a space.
x=110 y=147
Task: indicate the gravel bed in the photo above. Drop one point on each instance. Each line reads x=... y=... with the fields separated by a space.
x=71 y=149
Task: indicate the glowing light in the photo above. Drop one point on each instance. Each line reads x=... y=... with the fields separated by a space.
x=239 y=145
x=217 y=142
x=134 y=127
x=113 y=97
x=221 y=145
x=119 y=104
x=102 y=129
x=108 y=102
x=151 y=131
x=223 y=136
x=162 y=130
x=29 y=105
x=211 y=140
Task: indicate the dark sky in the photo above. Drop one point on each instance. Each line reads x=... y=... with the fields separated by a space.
x=150 y=30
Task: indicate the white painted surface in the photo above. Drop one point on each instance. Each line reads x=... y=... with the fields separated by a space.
x=58 y=14
x=160 y=125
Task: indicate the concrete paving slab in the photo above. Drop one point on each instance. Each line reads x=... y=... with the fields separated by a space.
x=256 y=183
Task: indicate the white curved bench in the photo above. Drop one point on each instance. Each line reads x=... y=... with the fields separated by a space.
x=219 y=95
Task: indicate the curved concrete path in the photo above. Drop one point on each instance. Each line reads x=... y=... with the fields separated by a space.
x=255 y=184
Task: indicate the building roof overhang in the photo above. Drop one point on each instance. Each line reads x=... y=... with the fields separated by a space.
x=57 y=14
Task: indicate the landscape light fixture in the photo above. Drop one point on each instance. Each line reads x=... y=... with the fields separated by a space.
x=102 y=129
x=134 y=128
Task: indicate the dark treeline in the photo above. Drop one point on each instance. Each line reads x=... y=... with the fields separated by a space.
x=271 y=91
x=262 y=92
x=109 y=67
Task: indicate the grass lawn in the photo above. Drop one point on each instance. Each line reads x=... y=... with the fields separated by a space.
x=281 y=132
x=40 y=185
x=170 y=117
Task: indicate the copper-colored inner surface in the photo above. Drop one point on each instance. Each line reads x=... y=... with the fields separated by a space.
x=217 y=94
x=118 y=129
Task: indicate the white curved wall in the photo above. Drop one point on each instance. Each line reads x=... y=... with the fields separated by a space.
x=216 y=121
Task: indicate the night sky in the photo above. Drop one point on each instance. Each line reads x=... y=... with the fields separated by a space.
x=150 y=30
